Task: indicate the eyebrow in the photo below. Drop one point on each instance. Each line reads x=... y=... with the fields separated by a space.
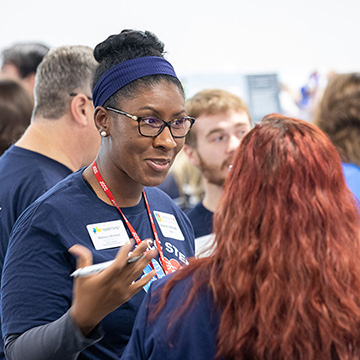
x=213 y=131
x=157 y=112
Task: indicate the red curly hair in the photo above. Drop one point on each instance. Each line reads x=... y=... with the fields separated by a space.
x=285 y=270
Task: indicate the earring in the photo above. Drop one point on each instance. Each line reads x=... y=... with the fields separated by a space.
x=103 y=133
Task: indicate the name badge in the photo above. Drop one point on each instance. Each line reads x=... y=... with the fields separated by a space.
x=168 y=225
x=108 y=234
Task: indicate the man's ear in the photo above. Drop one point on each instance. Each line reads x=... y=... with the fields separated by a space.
x=81 y=109
x=192 y=155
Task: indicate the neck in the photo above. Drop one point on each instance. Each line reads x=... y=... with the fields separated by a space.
x=212 y=195
x=52 y=139
x=126 y=193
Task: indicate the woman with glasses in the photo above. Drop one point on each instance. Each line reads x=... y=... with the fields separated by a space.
x=283 y=282
x=140 y=115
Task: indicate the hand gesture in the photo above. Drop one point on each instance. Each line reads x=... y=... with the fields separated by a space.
x=96 y=296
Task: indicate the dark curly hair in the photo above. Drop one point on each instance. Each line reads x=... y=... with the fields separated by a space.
x=127 y=45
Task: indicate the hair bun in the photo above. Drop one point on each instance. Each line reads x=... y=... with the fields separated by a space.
x=129 y=44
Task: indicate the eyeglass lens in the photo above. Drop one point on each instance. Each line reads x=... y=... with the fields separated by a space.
x=152 y=126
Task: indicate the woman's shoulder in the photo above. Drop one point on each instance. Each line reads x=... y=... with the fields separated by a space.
x=181 y=340
x=179 y=287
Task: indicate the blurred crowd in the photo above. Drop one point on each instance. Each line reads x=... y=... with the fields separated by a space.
x=259 y=211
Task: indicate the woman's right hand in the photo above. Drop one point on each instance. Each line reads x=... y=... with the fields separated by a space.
x=96 y=296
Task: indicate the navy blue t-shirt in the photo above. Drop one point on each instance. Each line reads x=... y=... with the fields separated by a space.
x=201 y=220
x=24 y=176
x=37 y=287
x=192 y=336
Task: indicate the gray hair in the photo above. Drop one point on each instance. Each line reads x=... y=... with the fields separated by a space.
x=64 y=70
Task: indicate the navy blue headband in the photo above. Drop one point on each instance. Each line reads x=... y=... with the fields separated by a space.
x=125 y=72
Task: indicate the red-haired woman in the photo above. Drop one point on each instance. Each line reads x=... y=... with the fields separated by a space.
x=283 y=281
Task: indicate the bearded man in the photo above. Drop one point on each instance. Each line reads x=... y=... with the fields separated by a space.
x=222 y=119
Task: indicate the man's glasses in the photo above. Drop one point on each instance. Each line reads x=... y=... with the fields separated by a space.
x=151 y=126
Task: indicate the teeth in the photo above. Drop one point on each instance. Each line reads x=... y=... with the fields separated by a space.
x=160 y=162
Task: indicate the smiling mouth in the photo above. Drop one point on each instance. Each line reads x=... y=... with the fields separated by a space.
x=159 y=165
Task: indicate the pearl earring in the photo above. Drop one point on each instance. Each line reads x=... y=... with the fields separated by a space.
x=103 y=133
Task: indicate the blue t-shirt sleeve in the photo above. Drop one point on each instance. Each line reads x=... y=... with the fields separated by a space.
x=36 y=286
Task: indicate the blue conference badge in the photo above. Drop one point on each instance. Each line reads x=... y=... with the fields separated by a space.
x=159 y=271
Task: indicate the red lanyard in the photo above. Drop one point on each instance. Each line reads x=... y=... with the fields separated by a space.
x=164 y=262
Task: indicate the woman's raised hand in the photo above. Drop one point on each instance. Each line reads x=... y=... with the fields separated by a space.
x=97 y=295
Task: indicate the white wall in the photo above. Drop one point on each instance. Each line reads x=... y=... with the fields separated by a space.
x=291 y=37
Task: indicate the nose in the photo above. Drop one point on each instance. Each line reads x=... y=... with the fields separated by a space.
x=165 y=140
x=234 y=142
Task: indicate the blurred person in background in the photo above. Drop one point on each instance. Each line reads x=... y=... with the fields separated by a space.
x=61 y=138
x=222 y=119
x=15 y=112
x=283 y=281
x=20 y=61
x=338 y=115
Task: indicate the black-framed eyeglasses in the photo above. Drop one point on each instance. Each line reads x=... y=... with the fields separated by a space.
x=151 y=126
x=74 y=94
